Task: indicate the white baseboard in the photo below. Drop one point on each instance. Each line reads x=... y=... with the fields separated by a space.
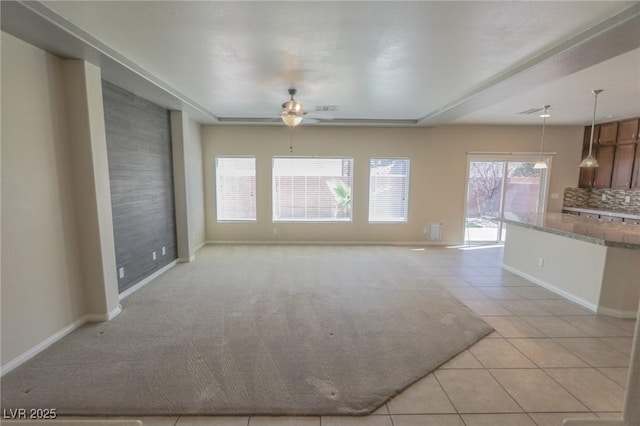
x=334 y=243
x=617 y=313
x=19 y=360
x=35 y=350
x=193 y=256
x=592 y=307
x=104 y=317
x=147 y=280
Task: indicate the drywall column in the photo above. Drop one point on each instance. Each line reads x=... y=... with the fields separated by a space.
x=87 y=137
x=631 y=409
x=179 y=129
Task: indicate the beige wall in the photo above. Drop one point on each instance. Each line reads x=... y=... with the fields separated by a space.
x=88 y=142
x=188 y=182
x=437 y=181
x=601 y=278
x=570 y=267
x=193 y=148
x=41 y=279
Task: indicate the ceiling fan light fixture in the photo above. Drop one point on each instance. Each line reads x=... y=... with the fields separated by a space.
x=292 y=111
x=291 y=119
x=292 y=106
x=590 y=161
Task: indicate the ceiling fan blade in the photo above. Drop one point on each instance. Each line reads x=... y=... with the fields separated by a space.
x=239 y=120
x=530 y=111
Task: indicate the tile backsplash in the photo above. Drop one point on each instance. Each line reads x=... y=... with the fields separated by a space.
x=614 y=199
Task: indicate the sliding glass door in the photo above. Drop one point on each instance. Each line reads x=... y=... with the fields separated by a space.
x=499 y=184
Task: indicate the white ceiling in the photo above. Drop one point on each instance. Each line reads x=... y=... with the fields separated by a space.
x=429 y=62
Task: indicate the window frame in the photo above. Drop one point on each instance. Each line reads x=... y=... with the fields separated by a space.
x=406 y=194
x=312 y=221
x=255 y=185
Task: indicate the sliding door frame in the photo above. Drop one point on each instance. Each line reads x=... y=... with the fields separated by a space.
x=506 y=158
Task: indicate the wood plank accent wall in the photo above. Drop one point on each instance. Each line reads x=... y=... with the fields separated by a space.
x=141 y=178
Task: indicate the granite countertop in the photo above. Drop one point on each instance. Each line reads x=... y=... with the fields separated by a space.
x=619 y=213
x=596 y=231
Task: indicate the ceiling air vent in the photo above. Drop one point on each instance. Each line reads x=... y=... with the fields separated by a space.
x=324 y=108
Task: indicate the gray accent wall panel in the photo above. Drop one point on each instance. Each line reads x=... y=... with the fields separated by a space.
x=141 y=179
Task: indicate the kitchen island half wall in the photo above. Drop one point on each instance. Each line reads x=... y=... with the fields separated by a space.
x=591 y=262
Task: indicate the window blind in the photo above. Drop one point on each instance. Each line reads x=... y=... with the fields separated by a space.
x=312 y=189
x=236 y=188
x=388 y=190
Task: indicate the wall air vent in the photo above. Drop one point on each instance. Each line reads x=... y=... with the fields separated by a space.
x=325 y=108
x=434 y=231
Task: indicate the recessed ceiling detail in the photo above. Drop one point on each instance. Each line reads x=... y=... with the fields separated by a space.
x=427 y=63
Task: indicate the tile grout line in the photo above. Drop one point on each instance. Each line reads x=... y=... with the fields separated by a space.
x=570 y=393
x=505 y=389
x=446 y=394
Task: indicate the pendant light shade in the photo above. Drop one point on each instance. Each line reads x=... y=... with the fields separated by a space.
x=541 y=164
x=590 y=161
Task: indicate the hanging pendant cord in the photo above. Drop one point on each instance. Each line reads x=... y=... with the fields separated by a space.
x=544 y=122
x=291 y=139
x=593 y=122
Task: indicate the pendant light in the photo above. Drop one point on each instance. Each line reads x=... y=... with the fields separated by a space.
x=590 y=161
x=541 y=164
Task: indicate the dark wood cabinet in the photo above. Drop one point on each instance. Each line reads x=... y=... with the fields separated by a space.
x=623 y=166
x=635 y=178
x=628 y=130
x=603 y=173
x=616 y=146
x=587 y=136
x=608 y=133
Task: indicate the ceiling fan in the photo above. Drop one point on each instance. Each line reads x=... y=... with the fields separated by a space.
x=292 y=111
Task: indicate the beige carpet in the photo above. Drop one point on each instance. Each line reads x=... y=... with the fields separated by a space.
x=251 y=330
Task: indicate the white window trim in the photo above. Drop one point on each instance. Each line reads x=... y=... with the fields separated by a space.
x=509 y=156
x=310 y=221
x=406 y=195
x=255 y=195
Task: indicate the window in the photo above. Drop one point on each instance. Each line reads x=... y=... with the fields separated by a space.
x=312 y=189
x=388 y=189
x=236 y=188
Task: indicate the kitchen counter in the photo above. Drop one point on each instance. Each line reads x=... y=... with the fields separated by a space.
x=617 y=213
x=593 y=262
x=592 y=230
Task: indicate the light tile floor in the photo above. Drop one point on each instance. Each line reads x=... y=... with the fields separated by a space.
x=549 y=359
